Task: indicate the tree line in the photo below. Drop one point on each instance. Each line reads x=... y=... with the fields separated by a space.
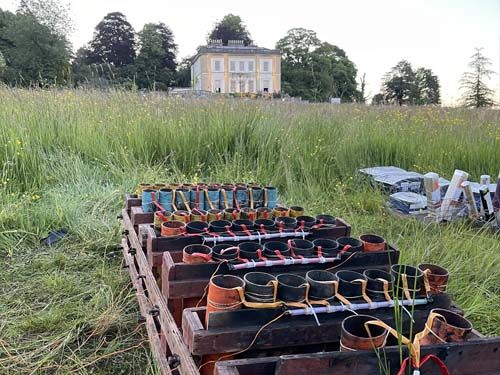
x=35 y=52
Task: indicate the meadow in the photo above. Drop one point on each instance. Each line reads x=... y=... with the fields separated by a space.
x=68 y=157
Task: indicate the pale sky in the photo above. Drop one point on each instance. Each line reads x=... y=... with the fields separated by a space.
x=376 y=34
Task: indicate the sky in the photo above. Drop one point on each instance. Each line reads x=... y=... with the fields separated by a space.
x=376 y=34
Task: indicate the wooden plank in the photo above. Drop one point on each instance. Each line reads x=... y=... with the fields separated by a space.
x=247 y=367
x=475 y=357
x=142 y=234
x=287 y=331
x=173 y=335
x=131 y=200
x=343 y=223
x=470 y=358
x=181 y=280
x=193 y=288
x=137 y=216
x=145 y=307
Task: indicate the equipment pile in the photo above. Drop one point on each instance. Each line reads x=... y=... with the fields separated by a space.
x=434 y=198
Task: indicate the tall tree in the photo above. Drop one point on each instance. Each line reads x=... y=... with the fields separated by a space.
x=335 y=74
x=34 y=54
x=362 y=96
x=404 y=85
x=231 y=27
x=399 y=84
x=427 y=87
x=378 y=99
x=315 y=70
x=155 y=63
x=52 y=13
x=183 y=78
x=297 y=45
x=296 y=74
x=476 y=91
x=113 y=42
x=3 y=64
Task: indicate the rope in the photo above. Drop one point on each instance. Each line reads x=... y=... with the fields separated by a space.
x=413 y=347
x=209 y=200
x=363 y=290
x=224 y=197
x=224 y=306
x=250 y=193
x=205 y=290
x=174 y=206
x=235 y=198
x=341 y=263
x=183 y=199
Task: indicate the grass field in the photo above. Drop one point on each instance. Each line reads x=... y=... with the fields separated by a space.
x=68 y=157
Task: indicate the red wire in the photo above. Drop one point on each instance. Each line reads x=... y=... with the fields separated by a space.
x=442 y=366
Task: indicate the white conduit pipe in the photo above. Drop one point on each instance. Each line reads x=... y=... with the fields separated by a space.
x=355 y=306
x=282 y=262
x=253 y=237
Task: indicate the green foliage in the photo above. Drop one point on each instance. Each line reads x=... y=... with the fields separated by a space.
x=51 y=13
x=3 y=64
x=113 y=42
x=69 y=156
x=110 y=59
x=155 y=63
x=427 y=87
x=362 y=96
x=378 y=99
x=404 y=85
x=476 y=91
x=231 y=27
x=315 y=70
x=34 y=54
x=183 y=77
x=399 y=84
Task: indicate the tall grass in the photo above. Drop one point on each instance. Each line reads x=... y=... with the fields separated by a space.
x=69 y=156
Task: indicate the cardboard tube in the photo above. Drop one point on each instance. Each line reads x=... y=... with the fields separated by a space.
x=432 y=191
x=486 y=201
x=473 y=212
x=485 y=179
x=452 y=194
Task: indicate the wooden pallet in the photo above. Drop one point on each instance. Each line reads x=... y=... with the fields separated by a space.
x=183 y=284
x=479 y=356
x=173 y=355
x=164 y=336
x=234 y=330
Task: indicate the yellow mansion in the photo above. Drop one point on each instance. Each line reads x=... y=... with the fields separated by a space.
x=236 y=68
